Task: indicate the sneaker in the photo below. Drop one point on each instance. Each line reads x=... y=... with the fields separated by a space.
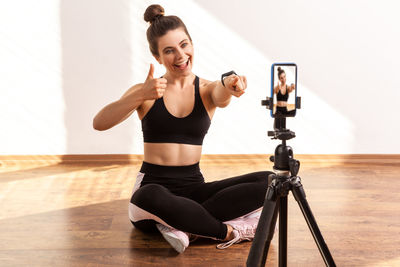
x=257 y=214
x=177 y=239
x=244 y=228
x=254 y=214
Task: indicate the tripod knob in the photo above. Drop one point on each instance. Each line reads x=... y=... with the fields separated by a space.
x=294 y=165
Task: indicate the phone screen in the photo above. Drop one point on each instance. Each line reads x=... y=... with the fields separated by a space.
x=283 y=89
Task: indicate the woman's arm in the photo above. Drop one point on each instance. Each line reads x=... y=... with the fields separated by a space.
x=276 y=89
x=221 y=95
x=291 y=87
x=121 y=109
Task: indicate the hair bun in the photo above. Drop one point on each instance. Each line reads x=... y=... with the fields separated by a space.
x=279 y=69
x=153 y=12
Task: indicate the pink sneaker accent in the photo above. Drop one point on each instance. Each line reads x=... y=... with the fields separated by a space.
x=257 y=214
x=254 y=214
x=177 y=239
x=244 y=228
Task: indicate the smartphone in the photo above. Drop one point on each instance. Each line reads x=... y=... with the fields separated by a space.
x=283 y=89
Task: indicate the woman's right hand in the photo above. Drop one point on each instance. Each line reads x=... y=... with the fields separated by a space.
x=153 y=88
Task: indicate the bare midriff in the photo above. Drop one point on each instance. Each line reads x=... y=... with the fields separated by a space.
x=281 y=103
x=171 y=154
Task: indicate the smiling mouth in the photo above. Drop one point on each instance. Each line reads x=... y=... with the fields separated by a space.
x=183 y=65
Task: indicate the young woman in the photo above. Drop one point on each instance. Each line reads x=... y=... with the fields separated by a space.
x=176 y=109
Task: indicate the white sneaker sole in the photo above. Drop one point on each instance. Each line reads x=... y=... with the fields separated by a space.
x=175 y=242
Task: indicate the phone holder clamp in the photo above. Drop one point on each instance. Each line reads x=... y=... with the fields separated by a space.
x=268 y=102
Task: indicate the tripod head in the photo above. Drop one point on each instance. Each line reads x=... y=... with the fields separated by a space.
x=283 y=158
x=280 y=132
x=284 y=162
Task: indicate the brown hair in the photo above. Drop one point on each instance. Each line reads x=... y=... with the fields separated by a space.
x=160 y=25
x=280 y=71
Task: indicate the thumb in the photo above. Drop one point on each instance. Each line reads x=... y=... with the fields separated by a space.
x=151 y=72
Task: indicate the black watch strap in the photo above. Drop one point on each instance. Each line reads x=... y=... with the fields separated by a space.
x=226 y=75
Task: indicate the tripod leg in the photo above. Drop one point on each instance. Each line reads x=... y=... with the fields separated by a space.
x=300 y=196
x=264 y=233
x=283 y=202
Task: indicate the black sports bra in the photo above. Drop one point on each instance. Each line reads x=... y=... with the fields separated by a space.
x=281 y=97
x=160 y=126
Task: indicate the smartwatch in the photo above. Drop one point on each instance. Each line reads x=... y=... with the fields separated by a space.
x=226 y=75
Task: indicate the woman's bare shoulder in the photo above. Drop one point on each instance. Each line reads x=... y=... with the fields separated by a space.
x=204 y=82
x=206 y=88
x=206 y=85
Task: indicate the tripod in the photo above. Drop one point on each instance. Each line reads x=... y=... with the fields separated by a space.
x=284 y=180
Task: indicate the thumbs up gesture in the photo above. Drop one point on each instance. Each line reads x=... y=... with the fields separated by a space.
x=236 y=84
x=153 y=88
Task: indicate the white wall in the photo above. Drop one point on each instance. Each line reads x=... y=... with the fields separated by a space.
x=62 y=61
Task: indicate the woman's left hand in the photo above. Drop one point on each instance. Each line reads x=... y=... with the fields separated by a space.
x=236 y=84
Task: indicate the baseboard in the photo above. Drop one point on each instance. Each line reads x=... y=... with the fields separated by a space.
x=206 y=158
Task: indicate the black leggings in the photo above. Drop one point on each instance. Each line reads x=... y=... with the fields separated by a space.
x=179 y=197
x=285 y=111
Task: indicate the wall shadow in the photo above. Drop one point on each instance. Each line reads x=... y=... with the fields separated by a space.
x=96 y=70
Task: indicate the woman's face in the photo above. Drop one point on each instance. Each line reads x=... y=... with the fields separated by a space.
x=282 y=78
x=176 y=52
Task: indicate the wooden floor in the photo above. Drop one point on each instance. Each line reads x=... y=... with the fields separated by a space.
x=73 y=213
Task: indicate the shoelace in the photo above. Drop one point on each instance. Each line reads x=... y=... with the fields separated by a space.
x=192 y=237
x=230 y=242
x=245 y=234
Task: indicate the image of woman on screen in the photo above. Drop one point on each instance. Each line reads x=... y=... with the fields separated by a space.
x=282 y=91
